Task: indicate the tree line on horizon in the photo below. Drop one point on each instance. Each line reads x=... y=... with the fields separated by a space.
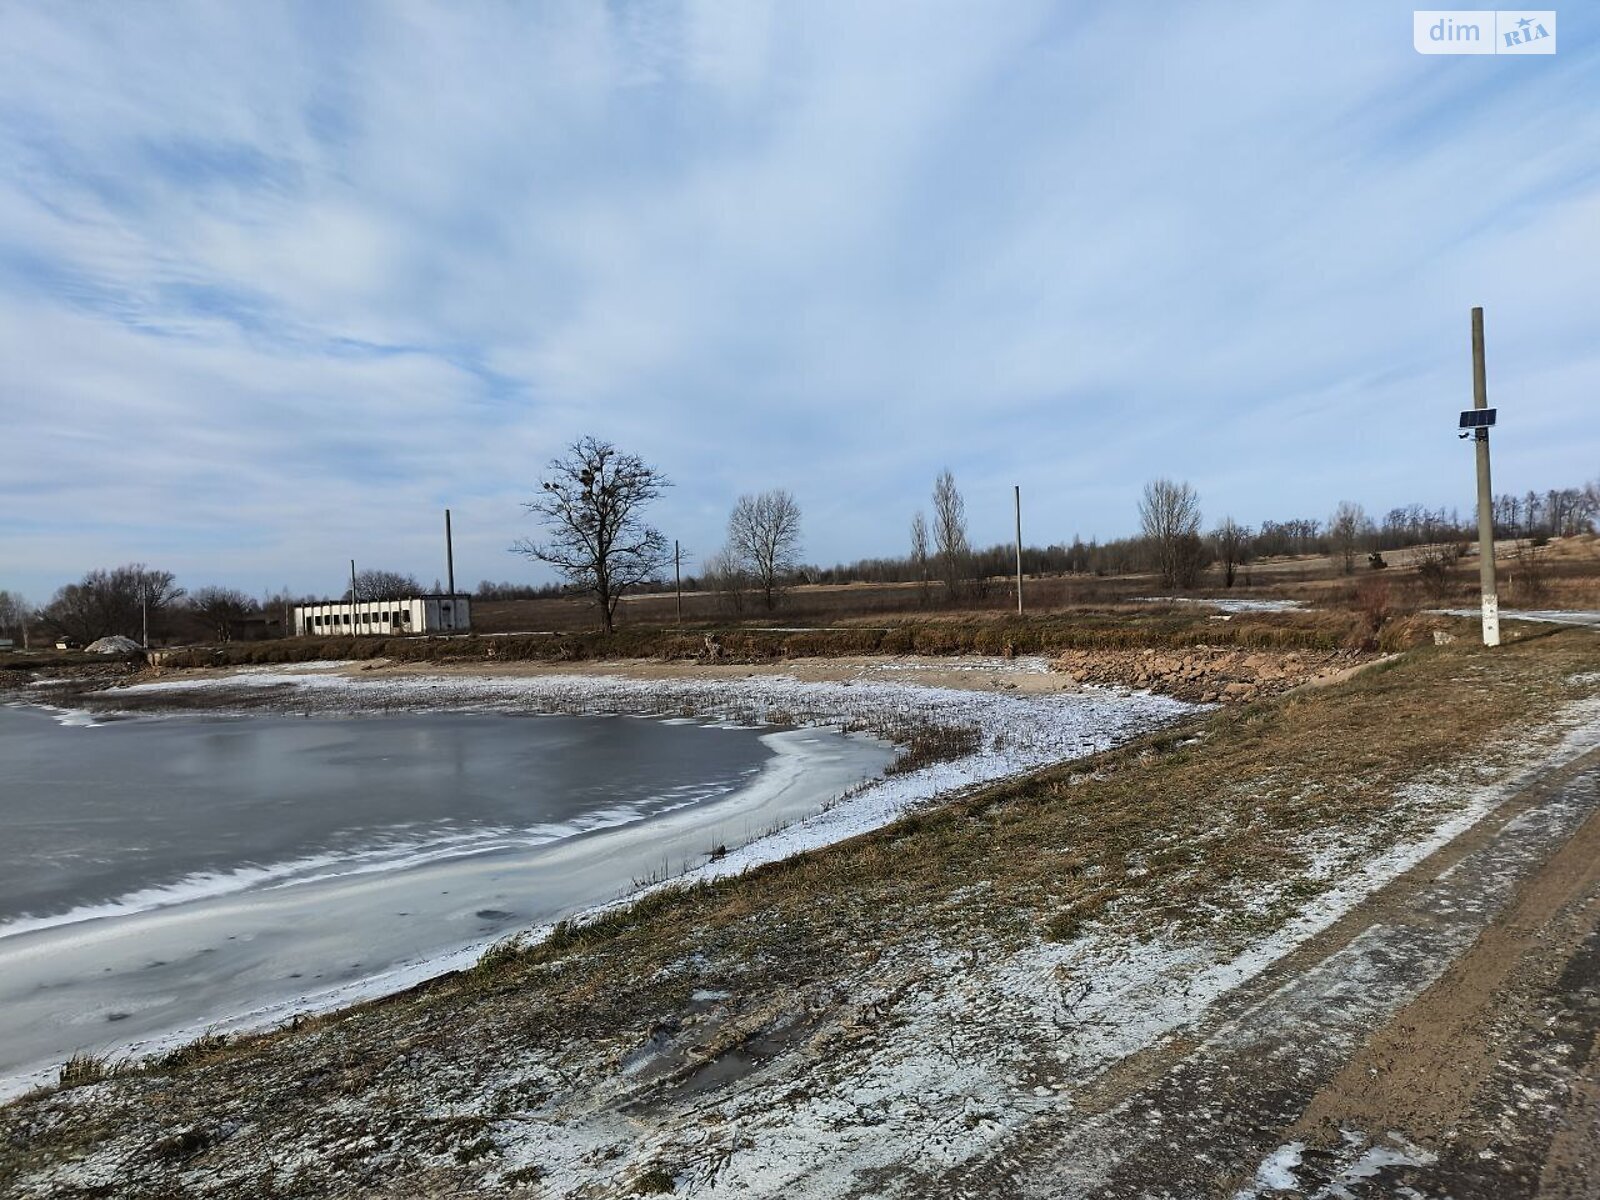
x=592 y=500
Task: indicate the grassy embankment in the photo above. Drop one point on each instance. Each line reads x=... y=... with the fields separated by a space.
x=1203 y=833
x=1088 y=629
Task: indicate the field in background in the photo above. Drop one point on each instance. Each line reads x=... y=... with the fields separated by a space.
x=1570 y=566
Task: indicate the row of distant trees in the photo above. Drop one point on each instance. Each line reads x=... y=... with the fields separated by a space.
x=1174 y=543
x=130 y=601
x=592 y=501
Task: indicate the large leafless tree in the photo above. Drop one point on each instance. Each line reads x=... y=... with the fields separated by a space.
x=591 y=501
x=385 y=585
x=1169 y=515
x=764 y=535
x=221 y=609
x=950 y=534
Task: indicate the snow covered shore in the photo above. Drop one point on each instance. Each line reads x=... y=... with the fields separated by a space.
x=803 y=800
x=1015 y=733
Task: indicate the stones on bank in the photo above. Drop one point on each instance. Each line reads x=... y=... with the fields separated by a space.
x=1206 y=674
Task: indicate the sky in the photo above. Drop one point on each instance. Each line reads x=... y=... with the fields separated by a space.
x=280 y=282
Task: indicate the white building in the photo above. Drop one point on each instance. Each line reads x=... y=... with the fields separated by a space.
x=419 y=614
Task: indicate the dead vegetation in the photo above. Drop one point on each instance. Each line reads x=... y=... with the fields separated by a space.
x=1219 y=831
x=1144 y=626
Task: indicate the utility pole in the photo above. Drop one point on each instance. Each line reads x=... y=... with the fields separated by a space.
x=1017 y=493
x=449 y=554
x=677 y=577
x=144 y=614
x=352 y=597
x=1480 y=401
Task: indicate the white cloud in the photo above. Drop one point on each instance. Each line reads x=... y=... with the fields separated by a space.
x=324 y=263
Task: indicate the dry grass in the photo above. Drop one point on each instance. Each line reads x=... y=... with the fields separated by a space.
x=1167 y=627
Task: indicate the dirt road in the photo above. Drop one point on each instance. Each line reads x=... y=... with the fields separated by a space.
x=1356 y=1068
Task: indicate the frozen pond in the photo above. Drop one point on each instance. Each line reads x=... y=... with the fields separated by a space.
x=160 y=875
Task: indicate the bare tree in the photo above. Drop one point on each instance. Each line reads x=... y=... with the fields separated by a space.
x=385 y=585
x=221 y=608
x=1169 y=514
x=725 y=575
x=919 y=556
x=1436 y=568
x=112 y=602
x=950 y=534
x=1345 y=528
x=1233 y=546
x=1529 y=579
x=591 y=500
x=15 y=614
x=764 y=534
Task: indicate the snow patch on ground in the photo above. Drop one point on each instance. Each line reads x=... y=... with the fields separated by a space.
x=1548 y=616
x=1021 y=664
x=1227 y=605
x=1276 y=1172
x=1355 y=1165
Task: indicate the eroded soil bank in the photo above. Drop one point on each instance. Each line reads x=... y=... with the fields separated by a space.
x=1210 y=674
x=1131 y=974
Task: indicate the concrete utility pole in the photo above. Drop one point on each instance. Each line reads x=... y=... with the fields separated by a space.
x=352 y=596
x=1017 y=492
x=1480 y=400
x=144 y=614
x=677 y=577
x=449 y=554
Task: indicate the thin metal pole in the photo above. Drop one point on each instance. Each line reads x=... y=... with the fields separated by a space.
x=1017 y=490
x=677 y=577
x=449 y=553
x=1486 y=580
